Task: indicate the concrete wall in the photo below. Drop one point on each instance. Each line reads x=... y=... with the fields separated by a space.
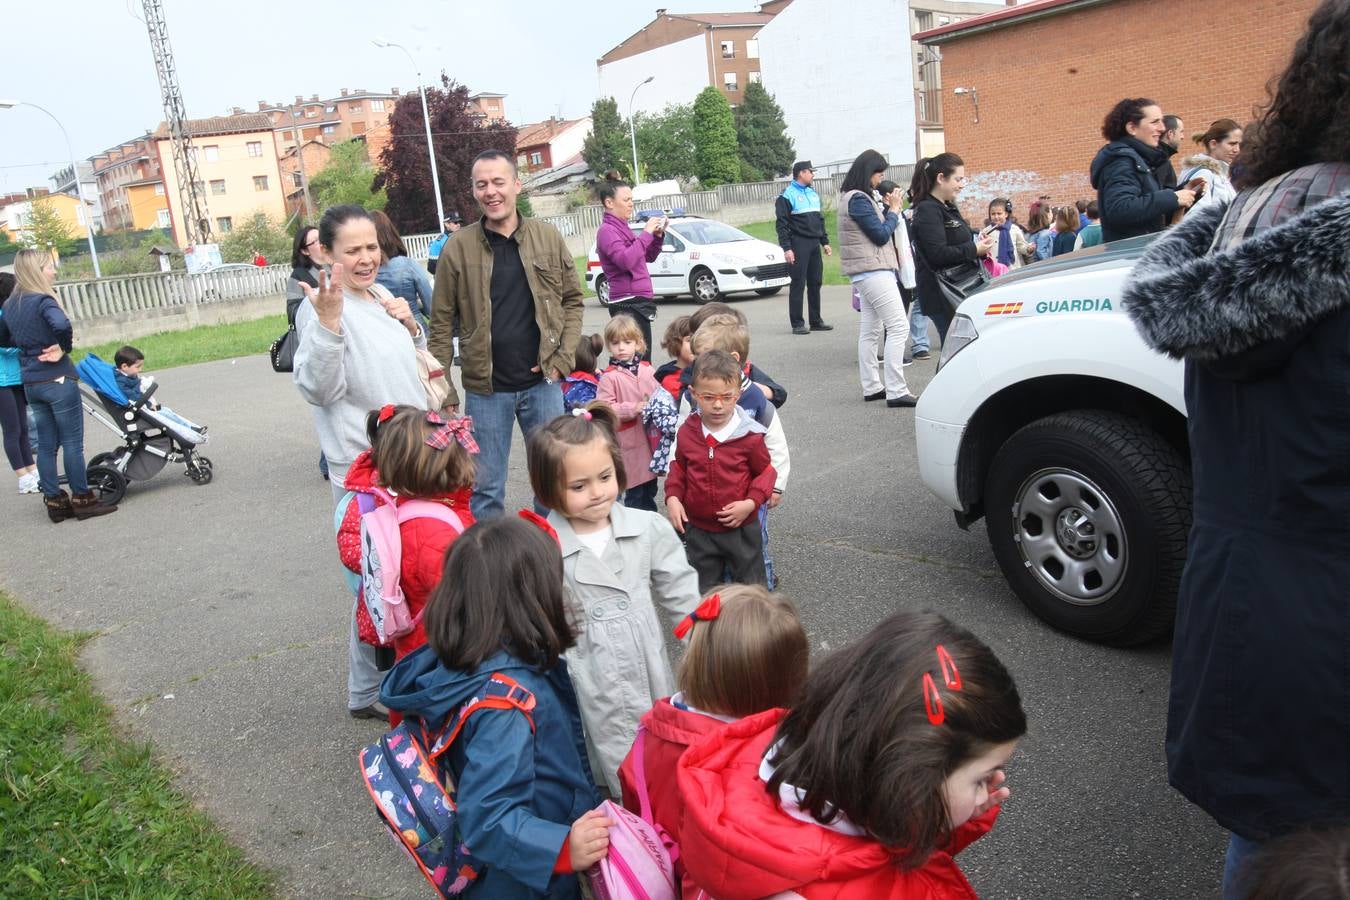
x=681 y=71
x=1025 y=146
x=843 y=86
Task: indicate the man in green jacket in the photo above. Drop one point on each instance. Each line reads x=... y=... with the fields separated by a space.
x=510 y=284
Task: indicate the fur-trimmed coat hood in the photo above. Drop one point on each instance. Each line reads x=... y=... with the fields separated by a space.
x=1243 y=309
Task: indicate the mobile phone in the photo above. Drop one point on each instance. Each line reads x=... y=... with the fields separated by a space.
x=1198 y=185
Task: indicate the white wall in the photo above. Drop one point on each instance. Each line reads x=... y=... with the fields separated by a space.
x=681 y=71
x=569 y=143
x=843 y=78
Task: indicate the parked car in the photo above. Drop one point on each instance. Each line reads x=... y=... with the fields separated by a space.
x=1052 y=419
x=707 y=259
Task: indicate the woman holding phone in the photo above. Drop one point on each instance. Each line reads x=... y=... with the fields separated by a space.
x=1129 y=196
x=942 y=238
x=1221 y=143
x=624 y=255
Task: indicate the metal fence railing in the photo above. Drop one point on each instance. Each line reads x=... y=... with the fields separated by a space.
x=126 y=294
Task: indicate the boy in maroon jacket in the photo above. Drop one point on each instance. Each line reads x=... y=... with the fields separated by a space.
x=719 y=477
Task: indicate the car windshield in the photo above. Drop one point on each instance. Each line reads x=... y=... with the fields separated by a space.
x=706 y=231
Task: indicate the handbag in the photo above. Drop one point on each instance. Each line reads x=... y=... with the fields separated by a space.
x=434 y=380
x=282 y=351
x=958 y=282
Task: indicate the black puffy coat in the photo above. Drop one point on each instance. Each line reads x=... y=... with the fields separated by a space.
x=942 y=239
x=1258 y=727
x=1128 y=195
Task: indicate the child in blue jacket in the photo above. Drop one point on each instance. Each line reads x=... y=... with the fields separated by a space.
x=129 y=362
x=525 y=794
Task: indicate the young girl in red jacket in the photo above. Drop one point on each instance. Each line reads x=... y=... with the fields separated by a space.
x=414 y=454
x=747 y=652
x=626 y=385
x=888 y=765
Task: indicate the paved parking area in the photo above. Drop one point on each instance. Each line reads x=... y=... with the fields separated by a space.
x=221 y=631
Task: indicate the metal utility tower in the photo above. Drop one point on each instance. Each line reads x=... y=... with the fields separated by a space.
x=196 y=223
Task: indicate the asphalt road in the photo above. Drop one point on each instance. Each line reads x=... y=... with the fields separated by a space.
x=221 y=630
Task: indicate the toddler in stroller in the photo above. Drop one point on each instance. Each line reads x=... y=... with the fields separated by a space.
x=150 y=437
x=129 y=361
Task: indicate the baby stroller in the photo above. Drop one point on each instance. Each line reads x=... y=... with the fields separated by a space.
x=149 y=439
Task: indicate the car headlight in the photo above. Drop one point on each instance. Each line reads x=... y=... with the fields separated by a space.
x=960 y=336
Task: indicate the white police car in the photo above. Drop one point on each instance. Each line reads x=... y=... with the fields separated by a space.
x=1050 y=418
x=705 y=258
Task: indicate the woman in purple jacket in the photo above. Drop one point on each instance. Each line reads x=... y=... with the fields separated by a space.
x=624 y=255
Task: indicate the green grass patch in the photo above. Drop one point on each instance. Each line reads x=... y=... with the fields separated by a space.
x=85 y=812
x=197 y=345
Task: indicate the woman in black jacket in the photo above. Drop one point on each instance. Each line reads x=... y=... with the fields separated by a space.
x=1255 y=297
x=1129 y=196
x=305 y=268
x=942 y=239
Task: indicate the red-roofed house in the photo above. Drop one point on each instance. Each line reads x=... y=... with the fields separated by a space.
x=1026 y=88
x=550 y=143
x=686 y=52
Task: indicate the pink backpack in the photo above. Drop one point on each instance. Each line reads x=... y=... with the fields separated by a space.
x=382 y=558
x=639 y=863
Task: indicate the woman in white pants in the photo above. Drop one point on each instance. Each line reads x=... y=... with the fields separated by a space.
x=874 y=253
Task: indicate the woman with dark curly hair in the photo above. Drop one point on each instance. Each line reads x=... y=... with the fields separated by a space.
x=1128 y=195
x=1255 y=296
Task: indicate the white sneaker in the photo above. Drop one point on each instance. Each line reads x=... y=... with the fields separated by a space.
x=28 y=484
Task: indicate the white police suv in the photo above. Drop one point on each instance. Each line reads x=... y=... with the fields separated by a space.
x=1051 y=419
x=704 y=258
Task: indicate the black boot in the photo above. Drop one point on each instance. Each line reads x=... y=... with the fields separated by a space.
x=87 y=506
x=58 y=507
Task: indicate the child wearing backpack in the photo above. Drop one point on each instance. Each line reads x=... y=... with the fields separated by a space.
x=747 y=652
x=890 y=762
x=618 y=563
x=579 y=388
x=421 y=466
x=497 y=628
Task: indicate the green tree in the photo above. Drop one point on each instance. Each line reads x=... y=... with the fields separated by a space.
x=666 y=143
x=607 y=147
x=348 y=178
x=523 y=205
x=715 y=155
x=761 y=134
x=257 y=233
x=46 y=228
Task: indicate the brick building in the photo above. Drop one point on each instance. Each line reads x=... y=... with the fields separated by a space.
x=686 y=52
x=551 y=143
x=131 y=186
x=1036 y=80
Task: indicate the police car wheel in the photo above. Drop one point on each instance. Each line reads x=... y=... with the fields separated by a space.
x=1088 y=513
x=703 y=285
x=602 y=290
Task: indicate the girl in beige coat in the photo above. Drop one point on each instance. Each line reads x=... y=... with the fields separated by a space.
x=618 y=563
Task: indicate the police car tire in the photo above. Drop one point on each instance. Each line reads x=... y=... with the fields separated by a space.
x=1149 y=484
x=695 y=277
x=602 y=290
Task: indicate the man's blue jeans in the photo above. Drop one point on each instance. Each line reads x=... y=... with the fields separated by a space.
x=60 y=423
x=493 y=416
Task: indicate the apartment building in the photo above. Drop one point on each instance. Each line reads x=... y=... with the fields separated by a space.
x=686 y=52
x=63 y=182
x=553 y=142
x=130 y=186
x=16 y=212
x=237 y=163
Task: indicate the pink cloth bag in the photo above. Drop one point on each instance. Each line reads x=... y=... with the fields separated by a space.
x=638 y=865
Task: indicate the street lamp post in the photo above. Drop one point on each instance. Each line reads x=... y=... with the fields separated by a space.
x=632 y=125
x=75 y=172
x=426 y=120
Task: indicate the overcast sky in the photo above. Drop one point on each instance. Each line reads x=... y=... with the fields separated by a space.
x=89 y=61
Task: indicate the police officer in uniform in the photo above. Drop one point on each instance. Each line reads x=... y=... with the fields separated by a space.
x=801 y=234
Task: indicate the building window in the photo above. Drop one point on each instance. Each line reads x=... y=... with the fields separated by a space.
x=728 y=49
x=377 y=106
x=752 y=48
x=295 y=177
x=330 y=109
x=329 y=129
x=159 y=189
x=729 y=81
x=260 y=182
x=162 y=218
x=295 y=114
x=536 y=158
x=354 y=109
x=224 y=224
x=312 y=112
x=212 y=153
x=217 y=186
x=255 y=148
x=754 y=78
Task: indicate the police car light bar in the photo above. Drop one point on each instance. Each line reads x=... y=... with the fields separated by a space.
x=645 y=214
